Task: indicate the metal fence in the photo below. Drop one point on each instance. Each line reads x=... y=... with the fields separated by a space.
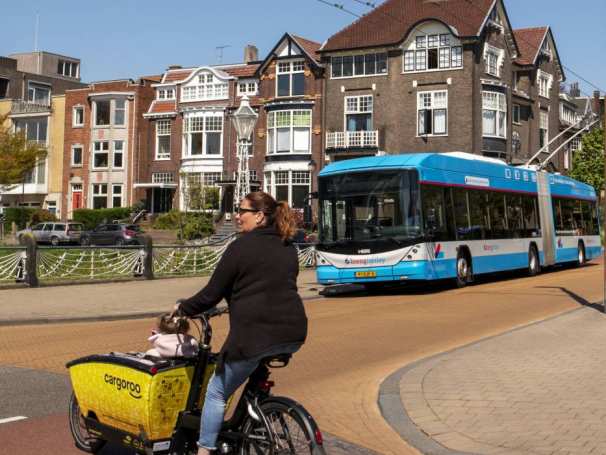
x=33 y=264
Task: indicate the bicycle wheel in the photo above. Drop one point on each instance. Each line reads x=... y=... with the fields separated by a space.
x=290 y=432
x=83 y=440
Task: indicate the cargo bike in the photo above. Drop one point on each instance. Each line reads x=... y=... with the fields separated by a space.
x=153 y=406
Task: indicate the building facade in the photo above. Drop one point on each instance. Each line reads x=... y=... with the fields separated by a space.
x=105 y=138
x=437 y=76
x=31 y=89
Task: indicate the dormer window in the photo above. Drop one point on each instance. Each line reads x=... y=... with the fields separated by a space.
x=165 y=94
x=433 y=52
x=290 y=78
x=249 y=88
x=205 y=87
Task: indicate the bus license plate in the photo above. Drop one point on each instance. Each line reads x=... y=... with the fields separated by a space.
x=366 y=274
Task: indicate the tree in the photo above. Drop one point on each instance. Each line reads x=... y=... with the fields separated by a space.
x=588 y=163
x=18 y=156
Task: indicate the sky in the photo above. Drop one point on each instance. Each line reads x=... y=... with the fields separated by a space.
x=130 y=38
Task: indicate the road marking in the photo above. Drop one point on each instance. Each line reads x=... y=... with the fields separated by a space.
x=12 y=419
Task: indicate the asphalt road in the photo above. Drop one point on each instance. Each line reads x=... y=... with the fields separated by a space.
x=354 y=343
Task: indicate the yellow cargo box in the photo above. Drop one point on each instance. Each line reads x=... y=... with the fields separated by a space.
x=134 y=394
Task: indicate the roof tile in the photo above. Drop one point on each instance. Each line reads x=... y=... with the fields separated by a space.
x=390 y=22
x=529 y=40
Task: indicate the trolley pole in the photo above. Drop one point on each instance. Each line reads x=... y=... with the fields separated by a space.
x=603 y=197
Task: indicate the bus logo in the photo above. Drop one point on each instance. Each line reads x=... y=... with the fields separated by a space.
x=560 y=244
x=437 y=252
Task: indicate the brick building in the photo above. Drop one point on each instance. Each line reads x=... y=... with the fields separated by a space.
x=31 y=93
x=416 y=76
x=105 y=138
x=192 y=140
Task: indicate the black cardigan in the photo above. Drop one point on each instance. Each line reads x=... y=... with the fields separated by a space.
x=257 y=276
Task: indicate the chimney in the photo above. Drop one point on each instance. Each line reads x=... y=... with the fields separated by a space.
x=574 y=91
x=174 y=67
x=251 y=53
x=596 y=102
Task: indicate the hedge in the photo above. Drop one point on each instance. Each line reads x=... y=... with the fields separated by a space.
x=22 y=216
x=93 y=217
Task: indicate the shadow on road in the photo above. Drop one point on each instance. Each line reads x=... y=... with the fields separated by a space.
x=434 y=287
x=577 y=298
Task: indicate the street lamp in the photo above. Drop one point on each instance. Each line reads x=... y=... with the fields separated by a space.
x=244 y=120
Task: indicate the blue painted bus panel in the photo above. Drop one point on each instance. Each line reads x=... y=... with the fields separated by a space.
x=593 y=252
x=498 y=263
x=445 y=168
x=566 y=254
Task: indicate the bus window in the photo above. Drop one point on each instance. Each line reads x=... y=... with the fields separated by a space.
x=557 y=216
x=589 y=218
x=341 y=220
x=434 y=212
x=498 y=220
x=569 y=225
x=530 y=218
x=459 y=197
x=514 y=214
x=478 y=213
x=577 y=216
x=327 y=221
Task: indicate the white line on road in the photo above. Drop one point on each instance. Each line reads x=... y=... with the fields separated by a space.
x=12 y=419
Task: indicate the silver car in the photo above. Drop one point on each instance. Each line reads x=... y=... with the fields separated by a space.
x=53 y=233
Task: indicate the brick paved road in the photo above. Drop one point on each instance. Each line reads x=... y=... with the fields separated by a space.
x=538 y=390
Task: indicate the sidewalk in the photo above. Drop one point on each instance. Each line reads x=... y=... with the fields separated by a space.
x=125 y=299
x=533 y=391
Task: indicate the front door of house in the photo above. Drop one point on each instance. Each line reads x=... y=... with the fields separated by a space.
x=76 y=196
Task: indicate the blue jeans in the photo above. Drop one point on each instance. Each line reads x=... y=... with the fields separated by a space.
x=221 y=387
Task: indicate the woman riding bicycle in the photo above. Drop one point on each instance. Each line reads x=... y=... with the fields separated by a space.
x=257 y=276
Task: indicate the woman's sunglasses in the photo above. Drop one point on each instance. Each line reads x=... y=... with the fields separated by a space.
x=242 y=210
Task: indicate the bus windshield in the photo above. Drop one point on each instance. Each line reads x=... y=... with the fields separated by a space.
x=367 y=206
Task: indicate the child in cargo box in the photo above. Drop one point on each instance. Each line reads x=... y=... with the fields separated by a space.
x=170 y=339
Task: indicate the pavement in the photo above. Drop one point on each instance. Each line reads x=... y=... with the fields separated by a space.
x=107 y=301
x=534 y=390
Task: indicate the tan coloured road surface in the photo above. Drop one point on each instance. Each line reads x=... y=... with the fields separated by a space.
x=354 y=343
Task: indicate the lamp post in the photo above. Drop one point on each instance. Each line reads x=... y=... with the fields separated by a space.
x=244 y=120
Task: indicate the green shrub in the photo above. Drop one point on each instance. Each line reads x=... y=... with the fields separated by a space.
x=24 y=216
x=169 y=220
x=197 y=227
x=92 y=217
x=20 y=215
x=40 y=216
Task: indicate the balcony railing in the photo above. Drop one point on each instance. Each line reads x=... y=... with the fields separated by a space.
x=29 y=107
x=352 y=139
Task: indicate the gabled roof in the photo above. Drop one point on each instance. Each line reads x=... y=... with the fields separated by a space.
x=530 y=41
x=392 y=21
x=309 y=48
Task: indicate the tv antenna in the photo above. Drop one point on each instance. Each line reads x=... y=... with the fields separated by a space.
x=219 y=51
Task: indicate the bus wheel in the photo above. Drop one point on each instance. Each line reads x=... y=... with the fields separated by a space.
x=581 y=258
x=463 y=270
x=534 y=266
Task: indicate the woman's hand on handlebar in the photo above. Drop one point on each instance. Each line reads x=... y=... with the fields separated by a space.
x=177 y=308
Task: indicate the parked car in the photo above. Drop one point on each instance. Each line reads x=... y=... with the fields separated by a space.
x=113 y=234
x=53 y=233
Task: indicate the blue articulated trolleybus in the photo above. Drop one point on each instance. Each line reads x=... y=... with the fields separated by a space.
x=428 y=216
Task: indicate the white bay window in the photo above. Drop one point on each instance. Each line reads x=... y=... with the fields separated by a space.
x=206 y=86
x=290 y=186
x=289 y=131
x=494 y=114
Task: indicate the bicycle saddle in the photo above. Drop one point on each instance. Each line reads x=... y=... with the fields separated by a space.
x=277 y=360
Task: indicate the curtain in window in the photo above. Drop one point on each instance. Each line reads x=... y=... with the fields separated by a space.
x=301 y=140
x=439 y=121
x=283 y=140
x=488 y=122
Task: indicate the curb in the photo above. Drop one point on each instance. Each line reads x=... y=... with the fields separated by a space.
x=392 y=408
x=97 y=318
